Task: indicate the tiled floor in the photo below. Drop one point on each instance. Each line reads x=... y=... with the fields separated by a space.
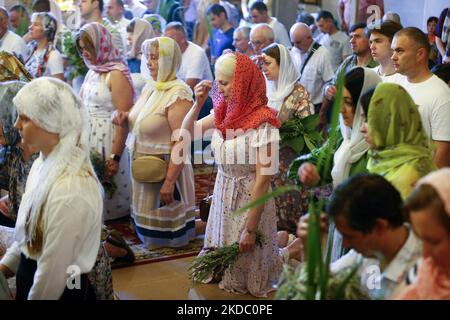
x=165 y=280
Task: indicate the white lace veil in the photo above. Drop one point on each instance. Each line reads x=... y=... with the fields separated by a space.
x=353 y=146
x=52 y=105
x=277 y=91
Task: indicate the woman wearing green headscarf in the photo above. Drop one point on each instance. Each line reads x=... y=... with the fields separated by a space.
x=400 y=150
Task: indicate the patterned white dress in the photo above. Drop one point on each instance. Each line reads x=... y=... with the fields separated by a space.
x=98 y=100
x=255 y=272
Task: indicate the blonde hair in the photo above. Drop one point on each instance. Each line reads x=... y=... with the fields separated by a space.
x=226 y=64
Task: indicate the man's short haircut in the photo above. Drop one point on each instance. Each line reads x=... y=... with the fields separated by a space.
x=19 y=9
x=119 y=3
x=417 y=36
x=306 y=18
x=258 y=6
x=244 y=30
x=432 y=19
x=41 y=6
x=324 y=14
x=217 y=9
x=364 y=198
x=267 y=31
x=356 y=26
x=386 y=28
x=176 y=25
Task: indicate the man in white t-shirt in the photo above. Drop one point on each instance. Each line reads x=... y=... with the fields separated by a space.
x=194 y=63
x=431 y=94
x=9 y=41
x=259 y=14
x=334 y=40
x=318 y=70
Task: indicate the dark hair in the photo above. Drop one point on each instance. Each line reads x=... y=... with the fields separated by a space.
x=363 y=199
x=365 y=100
x=100 y=5
x=176 y=25
x=356 y=26
x=41 y=6
x=432 y=19
x=305 y=18
x=442 y=71
x=19 y=9
x=131 y=25
x=217 y=9
x=387 y=28
x=423 y=197
x=354 y=80
x=258 y=6
x=324 y=15
x=120 y=3
x=417 y=36
x=272 y=51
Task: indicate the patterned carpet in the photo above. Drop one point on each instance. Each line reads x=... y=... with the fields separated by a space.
x=143 y=255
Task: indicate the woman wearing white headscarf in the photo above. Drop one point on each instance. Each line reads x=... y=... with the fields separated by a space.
x=59 y=221
x=290 y=99
x=159 y=111
x=349 y=148
x=138 y=31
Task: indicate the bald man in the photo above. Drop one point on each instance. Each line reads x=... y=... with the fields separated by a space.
x=313 y=62
x=261 y=36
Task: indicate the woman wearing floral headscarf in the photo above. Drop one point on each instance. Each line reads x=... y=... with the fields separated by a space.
x=399 y=147
x=15 y=158
x=163 y=212
x=45 y=59
x=245 y=146
x=106 y=88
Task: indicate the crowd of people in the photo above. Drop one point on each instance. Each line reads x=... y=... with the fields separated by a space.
x=105 y=133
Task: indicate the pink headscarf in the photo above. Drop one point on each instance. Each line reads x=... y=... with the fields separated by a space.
x=107 y=56
x=432 y=282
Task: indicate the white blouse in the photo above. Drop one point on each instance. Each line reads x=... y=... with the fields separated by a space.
x=71 y=220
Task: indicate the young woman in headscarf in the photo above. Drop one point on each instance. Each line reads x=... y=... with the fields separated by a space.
x=349 y=150
x=106 y=88
x=290 y=99
x=245 y=147
x=163 y=212
x=44 y=59
x=400 y=149
x=428 y=208
x=138 y=31
x=59 y=221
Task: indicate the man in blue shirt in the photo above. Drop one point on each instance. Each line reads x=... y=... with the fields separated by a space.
x=222 y=36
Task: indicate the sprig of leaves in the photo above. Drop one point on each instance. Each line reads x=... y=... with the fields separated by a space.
x=215 y=261
x=75 y=60
x=301 y=134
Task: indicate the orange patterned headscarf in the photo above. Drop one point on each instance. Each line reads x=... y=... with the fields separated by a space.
x=247 y=107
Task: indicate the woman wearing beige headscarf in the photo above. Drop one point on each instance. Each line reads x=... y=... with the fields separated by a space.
x=152 y=121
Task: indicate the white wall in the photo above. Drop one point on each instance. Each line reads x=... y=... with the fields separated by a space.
x=412 y=12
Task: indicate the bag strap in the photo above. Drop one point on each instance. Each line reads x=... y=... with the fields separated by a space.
x=210 y=177
x=314 y=49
